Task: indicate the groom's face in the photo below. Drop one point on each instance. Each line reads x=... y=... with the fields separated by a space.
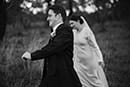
x=52 y=18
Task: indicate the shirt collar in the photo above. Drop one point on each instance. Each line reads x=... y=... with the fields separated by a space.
x=56 y=26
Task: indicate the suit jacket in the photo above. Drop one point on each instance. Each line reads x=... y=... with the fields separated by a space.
x=58 y=53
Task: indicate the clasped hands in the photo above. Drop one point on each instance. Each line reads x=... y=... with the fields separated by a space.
x=26 y=56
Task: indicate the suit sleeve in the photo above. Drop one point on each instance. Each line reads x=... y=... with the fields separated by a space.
x=60 y=42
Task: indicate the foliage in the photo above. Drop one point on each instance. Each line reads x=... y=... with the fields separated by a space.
x=103 y=9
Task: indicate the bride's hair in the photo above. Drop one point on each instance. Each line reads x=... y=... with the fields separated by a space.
x=76 y=17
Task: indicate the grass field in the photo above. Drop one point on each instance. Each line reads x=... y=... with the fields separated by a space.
x=115 y=47
x=14 y=72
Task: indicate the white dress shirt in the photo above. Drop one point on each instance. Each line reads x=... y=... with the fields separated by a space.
x=54 y=28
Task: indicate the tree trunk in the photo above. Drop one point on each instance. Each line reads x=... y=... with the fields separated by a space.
x=2 y=19
x=70 y=7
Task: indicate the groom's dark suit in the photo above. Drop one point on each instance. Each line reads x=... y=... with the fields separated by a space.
x=58 y=53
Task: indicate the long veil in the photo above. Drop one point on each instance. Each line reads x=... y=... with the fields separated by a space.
x=92 y=39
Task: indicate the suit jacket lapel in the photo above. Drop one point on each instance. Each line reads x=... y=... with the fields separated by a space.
x=57 y=30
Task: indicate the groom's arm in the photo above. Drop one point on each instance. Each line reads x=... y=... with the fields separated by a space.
x=60 y=42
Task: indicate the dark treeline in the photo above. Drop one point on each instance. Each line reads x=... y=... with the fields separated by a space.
x=11 y=12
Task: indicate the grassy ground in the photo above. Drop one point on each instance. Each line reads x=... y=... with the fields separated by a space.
x=14 y=72
x=115 y=47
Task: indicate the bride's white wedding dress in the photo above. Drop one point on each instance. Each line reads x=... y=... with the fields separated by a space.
x=86 y=59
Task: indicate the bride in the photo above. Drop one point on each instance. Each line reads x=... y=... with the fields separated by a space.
x=88 y=59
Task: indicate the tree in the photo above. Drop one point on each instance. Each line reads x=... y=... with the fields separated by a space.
x=70 y=7
x=104 y=11
x=102 y=8
x=2 y=19
x=121 y=8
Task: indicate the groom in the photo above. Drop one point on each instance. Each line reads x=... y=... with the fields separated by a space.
x=58 y=53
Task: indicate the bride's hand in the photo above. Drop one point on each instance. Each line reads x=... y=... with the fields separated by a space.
x=102 y=64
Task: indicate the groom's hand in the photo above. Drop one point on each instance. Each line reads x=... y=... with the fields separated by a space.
x=26 y=56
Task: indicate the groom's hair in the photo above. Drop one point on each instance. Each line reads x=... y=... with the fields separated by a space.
x=58 y=10
x=76 y=17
